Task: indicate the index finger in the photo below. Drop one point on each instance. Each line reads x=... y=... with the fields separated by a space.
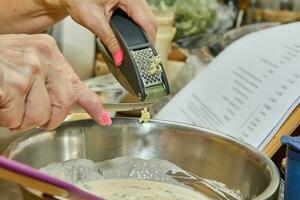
x=91 y=103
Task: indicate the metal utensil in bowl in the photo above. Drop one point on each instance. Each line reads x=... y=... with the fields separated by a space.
x=202 y=152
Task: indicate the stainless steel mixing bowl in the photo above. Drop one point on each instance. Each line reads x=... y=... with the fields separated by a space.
x=202 y=152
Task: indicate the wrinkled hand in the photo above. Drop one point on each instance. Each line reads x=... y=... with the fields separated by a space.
x=96 y=14
x=33 y=16
x=38 y=86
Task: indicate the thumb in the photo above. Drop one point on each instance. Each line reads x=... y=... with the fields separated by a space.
x=92 y=104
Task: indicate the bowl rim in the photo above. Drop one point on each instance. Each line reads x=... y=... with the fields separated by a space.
x=269 y=192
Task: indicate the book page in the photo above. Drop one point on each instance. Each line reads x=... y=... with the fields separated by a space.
x=248 y=90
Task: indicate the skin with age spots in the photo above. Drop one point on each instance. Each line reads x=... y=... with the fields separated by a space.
x=38 y=87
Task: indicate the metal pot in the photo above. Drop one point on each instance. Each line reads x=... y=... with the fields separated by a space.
x=202 y=152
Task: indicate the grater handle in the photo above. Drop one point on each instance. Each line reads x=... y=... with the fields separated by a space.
x=104 y=51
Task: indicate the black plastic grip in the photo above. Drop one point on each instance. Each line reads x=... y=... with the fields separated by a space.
x=130 y=32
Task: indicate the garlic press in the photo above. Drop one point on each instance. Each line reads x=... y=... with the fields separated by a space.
x=141 y=73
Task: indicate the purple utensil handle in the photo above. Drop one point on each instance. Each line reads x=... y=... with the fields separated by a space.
x=75 y=193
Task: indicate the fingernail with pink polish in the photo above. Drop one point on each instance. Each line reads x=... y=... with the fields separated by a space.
x=118 y=57
x=106 y=118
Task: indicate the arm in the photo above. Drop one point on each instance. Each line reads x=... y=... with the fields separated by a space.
x=29 y=16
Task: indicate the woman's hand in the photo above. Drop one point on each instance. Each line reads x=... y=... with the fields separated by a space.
x=38 y=86
x=33 y=16
x=96 y=14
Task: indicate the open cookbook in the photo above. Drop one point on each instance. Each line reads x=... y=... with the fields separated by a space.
x=248 y=91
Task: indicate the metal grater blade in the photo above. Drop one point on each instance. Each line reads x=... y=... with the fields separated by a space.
x=143 y=58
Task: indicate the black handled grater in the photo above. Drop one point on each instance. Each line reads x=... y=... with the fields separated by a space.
x=141 y=72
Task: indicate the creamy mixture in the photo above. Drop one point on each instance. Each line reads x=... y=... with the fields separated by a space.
x=129 y=189
x=130 y=178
